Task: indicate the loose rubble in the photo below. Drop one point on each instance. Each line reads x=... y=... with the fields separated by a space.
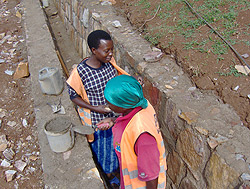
x=20 y=164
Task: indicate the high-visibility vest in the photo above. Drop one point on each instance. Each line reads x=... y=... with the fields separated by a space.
x=143 y=121
x=75 y=82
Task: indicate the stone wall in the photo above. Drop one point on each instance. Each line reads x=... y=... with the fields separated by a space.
x=207 y=145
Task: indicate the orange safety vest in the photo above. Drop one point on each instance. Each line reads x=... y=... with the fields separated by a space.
x=75 y=82
x=143 y=121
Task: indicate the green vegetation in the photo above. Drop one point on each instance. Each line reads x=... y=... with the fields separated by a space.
x=220 y=13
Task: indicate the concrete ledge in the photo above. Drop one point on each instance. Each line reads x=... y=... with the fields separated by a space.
x=208 y=146
x=71 y=169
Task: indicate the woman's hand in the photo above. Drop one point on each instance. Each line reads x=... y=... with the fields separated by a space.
x=103 y=109
x=105 y=124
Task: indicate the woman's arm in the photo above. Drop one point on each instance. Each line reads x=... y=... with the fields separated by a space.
x=100 y=109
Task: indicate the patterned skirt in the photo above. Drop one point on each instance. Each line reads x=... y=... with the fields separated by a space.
x=103 y=149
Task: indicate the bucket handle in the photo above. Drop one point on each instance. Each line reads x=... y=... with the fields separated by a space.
x=83 y=130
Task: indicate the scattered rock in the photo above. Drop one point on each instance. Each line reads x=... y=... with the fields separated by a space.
x=95 y=15
x=116 y=24
x=94 y=173
x=2 y=35
x=33 y=158
x=9 y=175
x=154 y=49
x=106 y=3
x=153 y=56
x=31 y=169
x=11 y=123
x=22 y=70
x=169 y=87
x=5 y=39
x=3 y=143
x=240 y=157
x=245 y=176
x=112 y=1
x=9 y=72
x=236 y=88
x=28 y=137
x=9 y=153
x=245 y=55
x=191 y=88
x=66 y=155
x=5 y=163
x=20 y=165
x=242 y=69
x=24 y=122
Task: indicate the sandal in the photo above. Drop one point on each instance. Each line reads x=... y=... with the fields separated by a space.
x=115 y=182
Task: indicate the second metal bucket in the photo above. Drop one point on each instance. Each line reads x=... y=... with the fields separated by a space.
x=60 y=134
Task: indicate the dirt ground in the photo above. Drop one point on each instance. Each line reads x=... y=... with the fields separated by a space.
x=20 y=151
x=208 y=71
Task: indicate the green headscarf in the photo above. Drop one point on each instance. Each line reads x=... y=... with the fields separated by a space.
x=125 y=91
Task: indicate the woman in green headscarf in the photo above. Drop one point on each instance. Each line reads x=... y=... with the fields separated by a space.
x=136 y=135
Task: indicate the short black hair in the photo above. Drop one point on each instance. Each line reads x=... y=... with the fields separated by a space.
x=95 y=37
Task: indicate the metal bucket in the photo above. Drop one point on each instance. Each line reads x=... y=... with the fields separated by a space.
x=51 y=81
x=60 y=134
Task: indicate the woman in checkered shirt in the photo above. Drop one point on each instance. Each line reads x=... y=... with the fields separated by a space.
x=94 y=72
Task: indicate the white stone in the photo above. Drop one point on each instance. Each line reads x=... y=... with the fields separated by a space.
x=245 y=176
x=5 y=163
x=106 y=3
x=95 y=15
x=9 y=72
x=9 y=153
x=11 y=123
x=28 y=137
x=245 y=55
x=156 y=49
x=191 y=88
x=240 y=157
x=9 y=174
x=116 y=24
x=5 y=39
x=25 y=123
x=236 y=88
x=242 y=69
x=2 y=35
x=20 y=165
x=3 y=143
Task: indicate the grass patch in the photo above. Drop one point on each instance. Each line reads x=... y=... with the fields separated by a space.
x=222 y=13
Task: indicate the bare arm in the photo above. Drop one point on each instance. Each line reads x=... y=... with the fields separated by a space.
x=152 y=184
x=80 y=102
